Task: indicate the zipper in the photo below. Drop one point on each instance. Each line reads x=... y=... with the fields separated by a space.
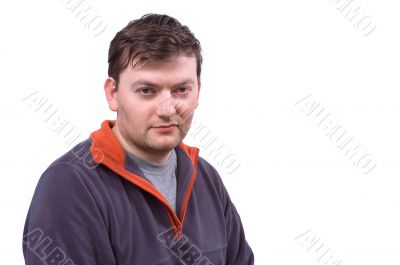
x=177 y=223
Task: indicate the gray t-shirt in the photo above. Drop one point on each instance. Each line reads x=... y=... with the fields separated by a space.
x=162 y=176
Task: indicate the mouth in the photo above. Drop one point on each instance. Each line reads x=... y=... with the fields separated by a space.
x=165 y=128
x=166 y=125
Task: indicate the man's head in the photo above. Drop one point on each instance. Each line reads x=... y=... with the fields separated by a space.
x=153 y=37
x=154 y=80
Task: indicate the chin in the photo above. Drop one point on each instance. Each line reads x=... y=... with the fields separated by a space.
x=165 y=145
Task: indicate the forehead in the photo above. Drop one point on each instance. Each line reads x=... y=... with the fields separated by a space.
x=176 y=68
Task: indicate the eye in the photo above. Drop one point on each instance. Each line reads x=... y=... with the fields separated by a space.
x=183 y=90
x=146 y=91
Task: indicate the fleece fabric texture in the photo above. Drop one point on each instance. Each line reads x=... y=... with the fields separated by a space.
x=91 y=206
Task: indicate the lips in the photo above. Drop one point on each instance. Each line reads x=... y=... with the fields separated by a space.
x=165 y=125
x=165 y=128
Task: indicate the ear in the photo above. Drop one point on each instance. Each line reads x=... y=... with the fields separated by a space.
x=110 y=89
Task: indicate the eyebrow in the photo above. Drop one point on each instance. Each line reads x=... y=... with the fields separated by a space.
x=149 y=83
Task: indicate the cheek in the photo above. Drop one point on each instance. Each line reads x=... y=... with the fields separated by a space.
x=136 y=110
x=136 y=119
x=185 y=111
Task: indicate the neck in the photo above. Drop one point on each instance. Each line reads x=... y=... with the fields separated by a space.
x=155 y=157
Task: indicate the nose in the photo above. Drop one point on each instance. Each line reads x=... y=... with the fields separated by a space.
x=166 y=107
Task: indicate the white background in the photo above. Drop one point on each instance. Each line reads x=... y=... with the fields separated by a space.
x=260 y=58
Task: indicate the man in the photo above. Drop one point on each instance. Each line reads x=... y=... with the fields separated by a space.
x=133 y=192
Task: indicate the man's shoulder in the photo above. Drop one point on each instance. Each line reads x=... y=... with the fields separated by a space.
x=207 y=166
x=78 y=159
x=76 y=156
x=74 y=168
x=206 y=170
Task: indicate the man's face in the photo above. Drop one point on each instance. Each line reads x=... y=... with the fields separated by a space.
x=163 y=93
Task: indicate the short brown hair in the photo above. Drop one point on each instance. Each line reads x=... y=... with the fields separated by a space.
x=153 y=37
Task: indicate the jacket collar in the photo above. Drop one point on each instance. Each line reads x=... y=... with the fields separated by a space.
x=105 y=146
x=107 y=150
